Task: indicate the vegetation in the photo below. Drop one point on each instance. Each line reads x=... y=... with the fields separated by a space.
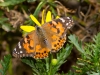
x=81 y=52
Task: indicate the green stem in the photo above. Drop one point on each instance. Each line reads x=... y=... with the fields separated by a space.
x=50 y=66
x=41 y=4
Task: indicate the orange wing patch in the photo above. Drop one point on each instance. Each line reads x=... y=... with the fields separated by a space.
x=28 y=44
x=29 y=47
x=54 y=30
x=61 y=28
x=58 y=39
x=41 y=52
x=57 y=28
x=57 y=45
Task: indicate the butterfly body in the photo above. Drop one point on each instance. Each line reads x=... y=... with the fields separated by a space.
x=49 y=37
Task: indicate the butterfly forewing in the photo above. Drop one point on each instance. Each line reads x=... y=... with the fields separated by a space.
x=19 y=51
x=55 y=32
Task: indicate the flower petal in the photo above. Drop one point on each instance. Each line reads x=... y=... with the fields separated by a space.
x=57 y=17
x=48 y=16
x=27 y=28
x=42 y=21
x=35 y=20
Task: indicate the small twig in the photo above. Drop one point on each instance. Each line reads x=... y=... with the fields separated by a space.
x=25 y=14
x=78 y=11
x=86 y=16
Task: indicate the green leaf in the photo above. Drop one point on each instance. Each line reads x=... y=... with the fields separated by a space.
x=31 y=63
x=4 y=25
x=11 y=2
x=31 y=0
x=7 y=27
x=91 y=58
x=94 y=73
x=5 y=64
x=74 y=41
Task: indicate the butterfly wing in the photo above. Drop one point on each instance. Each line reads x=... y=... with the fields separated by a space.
x=25 y=47
x=55 y=32
x=31 y=46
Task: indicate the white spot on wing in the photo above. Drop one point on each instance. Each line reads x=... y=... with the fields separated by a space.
x=70 y=20
x=67 y=24
x=68 y=17
x=68 y=27
x=62 y=20
x=14 y=49
x=19 y=45
x=21 y=51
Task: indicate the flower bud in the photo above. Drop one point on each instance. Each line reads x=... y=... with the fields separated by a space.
x=54 y=61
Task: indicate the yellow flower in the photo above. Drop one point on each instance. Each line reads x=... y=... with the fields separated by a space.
x=29 y=28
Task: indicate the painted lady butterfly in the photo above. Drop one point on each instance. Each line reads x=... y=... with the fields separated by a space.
x=49 y=37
